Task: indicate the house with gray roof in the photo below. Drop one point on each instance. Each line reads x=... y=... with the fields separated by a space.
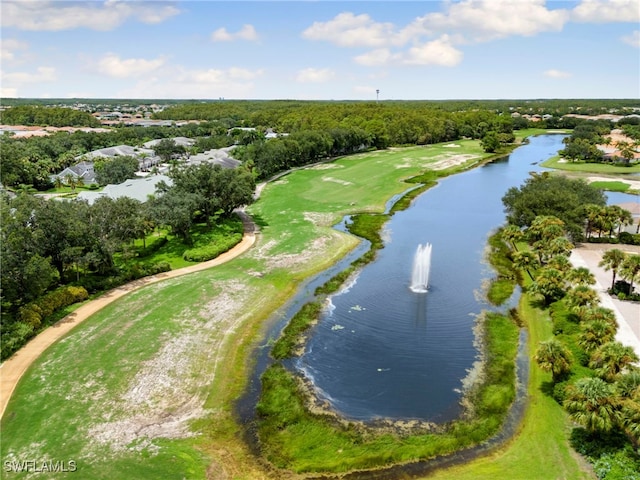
x=119 y=151
x=217 y=156
x=138 y=189
x=180 y=141
x=82 y=170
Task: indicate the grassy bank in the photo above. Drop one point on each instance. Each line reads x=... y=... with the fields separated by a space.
x=192 y=336
x=541 y=448
x=294 y=438
x=604 y=168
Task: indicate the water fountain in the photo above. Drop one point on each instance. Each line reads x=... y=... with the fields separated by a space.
x=421 y=267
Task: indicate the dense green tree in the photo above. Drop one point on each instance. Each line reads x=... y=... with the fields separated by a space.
x=115 y=170
x=490 y=142
x=551 y=195
x=175 y=210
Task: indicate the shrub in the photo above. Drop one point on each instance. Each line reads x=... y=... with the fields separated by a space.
x=211 y=251
x=14 y=337
x=629 y=238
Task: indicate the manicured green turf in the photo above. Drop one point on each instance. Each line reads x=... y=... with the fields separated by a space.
x=555 y=162
x=611 y=186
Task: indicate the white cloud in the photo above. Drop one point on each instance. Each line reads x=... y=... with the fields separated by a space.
x=42 y=74
x=184 y=83
x=632 y=39
x=601 y=11
x=365 y=90
x=103 y=16
x=349 y=30
x=315 y=75
x=8 y=92
x=247 y=32
x=484 y=20
x=436 y=52
x=114 y=66
x=376 y=58
x=556 y=74
x=9 y=46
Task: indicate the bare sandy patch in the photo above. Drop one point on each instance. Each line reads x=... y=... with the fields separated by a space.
x=326 y=166
x=169 y=390
x=321 y=219
x=336 y=180
x=452 y=161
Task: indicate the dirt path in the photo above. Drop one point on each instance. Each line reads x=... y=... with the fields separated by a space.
x=13 y=368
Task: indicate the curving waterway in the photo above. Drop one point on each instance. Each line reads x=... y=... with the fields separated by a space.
x=383 y=351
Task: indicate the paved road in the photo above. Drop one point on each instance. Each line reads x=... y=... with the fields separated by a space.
x=627 y=313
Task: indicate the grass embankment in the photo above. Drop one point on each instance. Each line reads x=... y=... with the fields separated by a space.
x=295 y=439
x=541 y=448
x=193 y=335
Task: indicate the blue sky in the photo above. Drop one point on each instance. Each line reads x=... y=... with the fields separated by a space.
x=465 y=49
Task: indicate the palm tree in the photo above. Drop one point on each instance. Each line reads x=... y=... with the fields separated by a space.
x=611 y=260
x=57 y=182
x=593 y=213
x=552 y=356
x=525 y=261
x=71 y=181
x=581 y=276
x=599 y=313
x=560 y=246
x=549 y=283
x=623 y=217
x=592 y=403
x=628 y=386
x=513 y=235
x=560 y=262
x=582 y=296
x=612 y=358
x=595 y=333
x=630 y=269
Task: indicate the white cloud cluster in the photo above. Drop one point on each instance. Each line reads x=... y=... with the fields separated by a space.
x=349 y=30
x=12 y=81
x=435 y=38
x=315 y=75
x=8 y=48
x=179 y=82
x=112 y=65
x=103 y=16
x=602 y=11
x=247 y=32
x=632 y=39
x=553 y=73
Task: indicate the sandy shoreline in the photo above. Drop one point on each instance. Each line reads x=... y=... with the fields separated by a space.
x=627 y=313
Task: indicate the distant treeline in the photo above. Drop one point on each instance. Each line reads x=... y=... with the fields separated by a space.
x=47 y=116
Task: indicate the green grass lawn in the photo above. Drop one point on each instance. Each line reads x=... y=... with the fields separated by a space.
x=612 y=186
x=555 y=162
x=84 y=385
